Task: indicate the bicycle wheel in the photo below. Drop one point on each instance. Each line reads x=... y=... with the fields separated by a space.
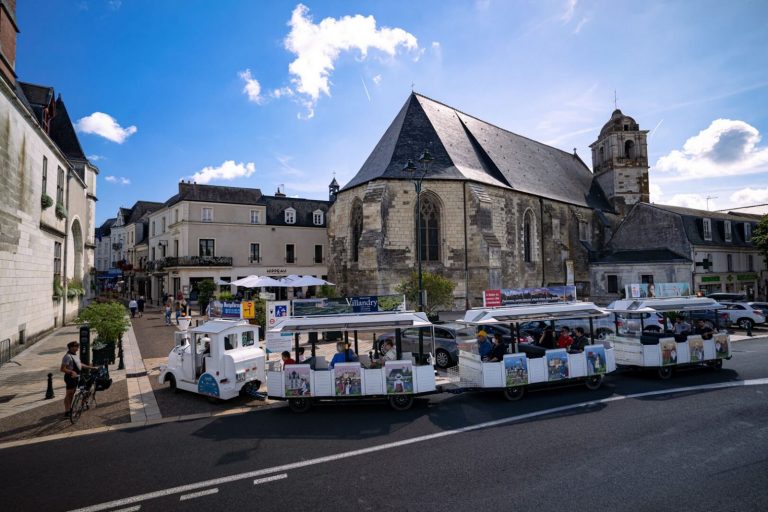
x=77 y=408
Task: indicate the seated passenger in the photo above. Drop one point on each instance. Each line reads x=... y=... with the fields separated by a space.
x=547 y=339
x=496 y=354
x=483 y=345
x=286 y=356
x=580 y=341
x=343 y=354
x=703 y=329
x=681 y=326
x=388 y=353
x=564 y=340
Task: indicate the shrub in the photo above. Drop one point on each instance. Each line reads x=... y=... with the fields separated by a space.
x=46 y=201
x=439 y=291
x=61 y=211
x=108 y=319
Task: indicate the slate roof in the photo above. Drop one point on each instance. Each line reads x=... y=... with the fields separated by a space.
x=37 y=97
x=140 y=209
x=467 y=148
x=305 y=209
x=693 y=224
x=105 y=228
x=215 y=194
x=642 y=256
x=63 y=133
x=616 y=123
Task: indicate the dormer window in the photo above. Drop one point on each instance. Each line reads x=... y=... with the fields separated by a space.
x=728 y=236
x=317 y=217
x=708 y=230
x=290 y=216
x=747 y=232
x=255 y=217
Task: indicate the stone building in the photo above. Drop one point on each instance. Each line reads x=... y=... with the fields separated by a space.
x=497 y=209
x=225 y=233
x=712 y=251
x=47 y=203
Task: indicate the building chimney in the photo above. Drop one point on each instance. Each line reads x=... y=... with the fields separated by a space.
x=8 y=31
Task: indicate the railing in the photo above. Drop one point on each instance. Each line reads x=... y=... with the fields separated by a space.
x=189 y=261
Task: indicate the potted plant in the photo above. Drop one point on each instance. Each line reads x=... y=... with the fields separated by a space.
x=46 y=201
x=61 y=211
x=109 y=321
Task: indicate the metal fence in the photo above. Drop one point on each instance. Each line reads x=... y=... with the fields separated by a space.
x=5 y=351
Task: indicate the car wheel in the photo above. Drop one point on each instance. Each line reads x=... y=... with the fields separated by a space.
x=665 y=372
x=171 y=380
x=513 y=394
x=442 y=359
x=746 y=323
x=299 y=404
x=594 y=382
x=401 y=402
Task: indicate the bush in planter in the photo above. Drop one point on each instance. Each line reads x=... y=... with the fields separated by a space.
x=109 y=321
x=439 y=291
x=226 y=297
x=58 y=290
x=61 y=211
x=46 y=201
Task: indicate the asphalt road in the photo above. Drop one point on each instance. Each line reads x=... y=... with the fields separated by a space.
x=565 y=449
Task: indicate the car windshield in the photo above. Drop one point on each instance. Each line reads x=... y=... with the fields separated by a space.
x=464 y=334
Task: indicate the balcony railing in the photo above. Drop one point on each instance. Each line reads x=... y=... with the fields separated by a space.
x=189 y=261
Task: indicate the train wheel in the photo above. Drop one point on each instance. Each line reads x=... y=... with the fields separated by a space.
x=401 y=402
x=594 y=382
x=514 y=394
x=716 y=364
x=665 y=372
x=299 y=404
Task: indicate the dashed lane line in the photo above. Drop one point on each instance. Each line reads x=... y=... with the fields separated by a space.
x=129 y=509
x=396 y=444
x=270 y=479
x=193 y=495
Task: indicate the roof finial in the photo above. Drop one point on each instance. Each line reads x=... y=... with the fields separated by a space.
x=615 y=100
x=412 y=86
x=574 y=152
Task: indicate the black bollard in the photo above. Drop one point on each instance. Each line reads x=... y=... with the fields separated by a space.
x=749 y=329
x=121 y=363
x=49 y=391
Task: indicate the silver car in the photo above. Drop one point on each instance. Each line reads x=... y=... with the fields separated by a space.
x=446 y=348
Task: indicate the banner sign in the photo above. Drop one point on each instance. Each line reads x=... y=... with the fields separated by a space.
x=657 y=290
x=345 y=305
x=219 y=309
x=510 y=296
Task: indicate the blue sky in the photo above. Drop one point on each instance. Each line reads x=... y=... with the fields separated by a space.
x=263 y=94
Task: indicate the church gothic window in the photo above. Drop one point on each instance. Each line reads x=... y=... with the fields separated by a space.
x=629 y=149
x=356 y=221
x=429 y=225
x=528 y=237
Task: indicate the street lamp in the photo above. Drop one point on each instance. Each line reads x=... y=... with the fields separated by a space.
x=424 y=160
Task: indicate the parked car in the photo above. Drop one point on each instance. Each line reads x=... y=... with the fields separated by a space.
x=728 y=296
x=601 y=326
x=447 y=337
x=743 y=314
x=762 y=306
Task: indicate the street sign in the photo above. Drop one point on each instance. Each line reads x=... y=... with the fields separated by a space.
x=249 y=309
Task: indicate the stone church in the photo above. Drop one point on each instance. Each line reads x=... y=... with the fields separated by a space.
x=497 y=210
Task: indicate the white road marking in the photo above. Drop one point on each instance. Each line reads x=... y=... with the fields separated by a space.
x=406 y=442
x=270 y=479
x=194 y=495
x=129 y=509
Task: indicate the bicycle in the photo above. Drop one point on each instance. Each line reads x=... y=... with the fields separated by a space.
x=85 y=396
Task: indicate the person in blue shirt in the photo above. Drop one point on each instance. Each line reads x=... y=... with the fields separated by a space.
x=483 y=345
x=343 y=354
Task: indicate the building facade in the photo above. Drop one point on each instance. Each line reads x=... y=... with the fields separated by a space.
x=225 y=233
x=496 y=209
x=47 y=203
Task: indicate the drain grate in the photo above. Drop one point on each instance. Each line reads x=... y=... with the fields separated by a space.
x=6 y=398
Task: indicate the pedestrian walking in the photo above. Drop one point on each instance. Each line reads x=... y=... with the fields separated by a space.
x=178 y=312
x=165 y=297
x=141 y=303
x=167 y=313
x=133 y=306
x=71 y=366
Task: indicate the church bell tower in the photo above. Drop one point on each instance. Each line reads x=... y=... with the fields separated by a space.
x=620 y=162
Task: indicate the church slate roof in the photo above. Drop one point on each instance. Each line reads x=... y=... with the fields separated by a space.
x=215 y=194
x=693 y=224
x=467 y=148
x=642 y=256
x=63 y=133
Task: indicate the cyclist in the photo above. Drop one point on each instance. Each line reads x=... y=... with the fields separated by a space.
x=71 y=366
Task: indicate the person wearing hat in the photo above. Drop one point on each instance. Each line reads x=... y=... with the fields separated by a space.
x=483 y=345
x=71 y=366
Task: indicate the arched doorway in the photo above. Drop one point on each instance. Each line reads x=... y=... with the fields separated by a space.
x=77 y=251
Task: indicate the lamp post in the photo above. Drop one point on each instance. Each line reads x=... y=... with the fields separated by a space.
x=425 y=159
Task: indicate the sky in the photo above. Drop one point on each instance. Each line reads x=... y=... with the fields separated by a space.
x=290 y=95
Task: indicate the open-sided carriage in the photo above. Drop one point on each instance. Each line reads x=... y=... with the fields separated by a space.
x=397 y=381
x=528 y=364
x=646 y=338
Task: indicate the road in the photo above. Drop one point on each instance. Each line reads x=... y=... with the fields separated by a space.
x=703 y=448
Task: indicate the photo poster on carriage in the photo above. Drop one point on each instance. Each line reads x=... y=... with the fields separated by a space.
x=595 y=357
x=297 y=380
x=722 y=348
x=515 y=369
x=510 y=296
x=668 y=352
x=399 y=377
x=347 y=379
x=657 y=290
x=696 y=349
x=557 y=364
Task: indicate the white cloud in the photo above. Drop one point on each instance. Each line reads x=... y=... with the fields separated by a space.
x=96 y=158
x=582 y=22
x=229 y=170
x=377 y=79
x=105 y=126
x=695 y=201
x=115 y=4
x=317 y=48
x=118 y=179
x=656 y=193
x=725 y=148
x=749 y=196
x=279 y=93
x=437 y=50
x=252 y=87
x=570 y=7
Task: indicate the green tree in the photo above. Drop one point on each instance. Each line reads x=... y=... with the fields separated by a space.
x=439 y=291
x=108 y=319
x=205 y=291
x=760 y=237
